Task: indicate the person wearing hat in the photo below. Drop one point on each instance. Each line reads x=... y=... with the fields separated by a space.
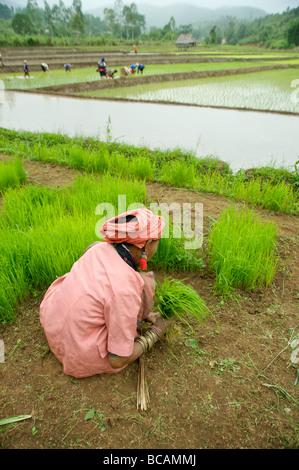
x=90 y=315
x=102 y=68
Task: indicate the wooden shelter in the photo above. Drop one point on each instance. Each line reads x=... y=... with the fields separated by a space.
x=186 y=40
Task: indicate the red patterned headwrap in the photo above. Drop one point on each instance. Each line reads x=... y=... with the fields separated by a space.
x=136 y=232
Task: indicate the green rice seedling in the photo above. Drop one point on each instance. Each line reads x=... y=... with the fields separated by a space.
x=214 y=182
x=118 y=164
x=143 y=168
x=265 y=90
x=99 y=161
x=78 y=157
x=278 y=196
x=12 y=174
x=44 y=154
x=174 y=298
x=273 y=174
x=173 y=167
x=178 y=174
x=171 y=254
x=242 y=251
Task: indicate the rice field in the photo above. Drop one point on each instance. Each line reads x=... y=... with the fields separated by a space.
x=225 y=370
x=269 y=90
x=17 y=81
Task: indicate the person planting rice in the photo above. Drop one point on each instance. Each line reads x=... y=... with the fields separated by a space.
x=111 y=73
x=44 y=67
x=140 y=68
x=67 y=67
x=90 y=315
x=126 y=71
x=133 y=68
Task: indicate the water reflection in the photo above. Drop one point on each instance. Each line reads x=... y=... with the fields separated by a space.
x=243 y=139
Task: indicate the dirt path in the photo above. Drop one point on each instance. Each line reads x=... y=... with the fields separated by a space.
x=235 y=390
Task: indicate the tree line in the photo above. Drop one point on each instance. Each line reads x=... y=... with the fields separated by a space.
x=124 y=22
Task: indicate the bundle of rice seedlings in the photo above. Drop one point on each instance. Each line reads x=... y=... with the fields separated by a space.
x=173 y=297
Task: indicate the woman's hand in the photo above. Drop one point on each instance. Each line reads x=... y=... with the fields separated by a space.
x=165 y=324
x=153 y=317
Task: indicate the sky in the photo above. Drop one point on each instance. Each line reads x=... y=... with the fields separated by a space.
x=270 y=6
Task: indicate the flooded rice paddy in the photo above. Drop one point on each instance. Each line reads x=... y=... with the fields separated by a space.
x=243 y=139
x=230 y=94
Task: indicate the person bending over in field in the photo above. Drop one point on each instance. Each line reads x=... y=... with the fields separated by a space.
x=111 y=73
x=124 y=71
x=44 y=67
x=133 y=68
x=90 y=315
x=140 y=68
x=67 y=67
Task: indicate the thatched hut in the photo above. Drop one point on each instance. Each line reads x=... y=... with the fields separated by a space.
x=186 y=40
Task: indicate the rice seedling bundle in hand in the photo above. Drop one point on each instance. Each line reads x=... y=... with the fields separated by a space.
x=174 y=298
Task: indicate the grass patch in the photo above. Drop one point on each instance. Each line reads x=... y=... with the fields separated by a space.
x=242 y=251
x=171 y=254
x=174 y=167
x=12 y=174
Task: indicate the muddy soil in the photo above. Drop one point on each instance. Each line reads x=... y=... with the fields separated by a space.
x=234 y=389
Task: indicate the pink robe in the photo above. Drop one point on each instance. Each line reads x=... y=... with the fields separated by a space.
x=94 y=309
